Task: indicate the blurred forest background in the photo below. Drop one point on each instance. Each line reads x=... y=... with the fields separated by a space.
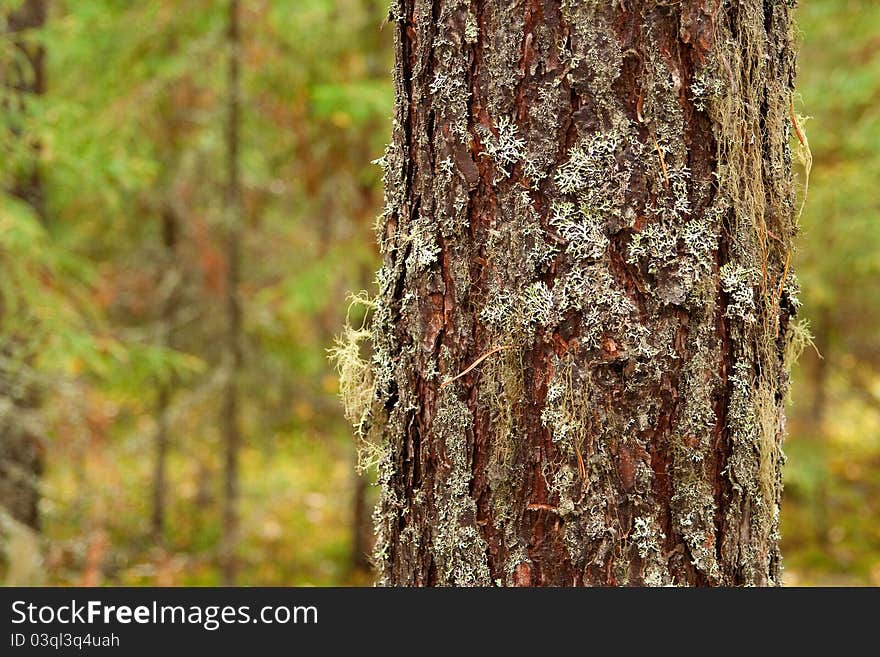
x=175 y=424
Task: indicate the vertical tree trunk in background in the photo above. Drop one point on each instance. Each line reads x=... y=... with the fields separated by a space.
x=360 y=525
x=233 y=355
x=164 y=393
x=21 y=461
x=27 y=78
x=593 y=202
x=160 y=465
x=817 y=432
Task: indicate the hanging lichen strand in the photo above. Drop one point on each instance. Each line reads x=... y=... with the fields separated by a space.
x=604 y=189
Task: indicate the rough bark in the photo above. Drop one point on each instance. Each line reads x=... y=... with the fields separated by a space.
x=21 y=452
x=600 y=195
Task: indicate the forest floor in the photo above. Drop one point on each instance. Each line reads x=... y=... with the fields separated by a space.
x=296 y=517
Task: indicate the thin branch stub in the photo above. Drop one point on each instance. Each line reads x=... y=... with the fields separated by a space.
x=477 y=362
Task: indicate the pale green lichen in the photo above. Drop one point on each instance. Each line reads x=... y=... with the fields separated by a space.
x=356 y=383
x=536 y=304
x=647 y=537
x=471 y=27
x=739 y=282
x=505 y=147
x=706 y=87
x=448 y=87
x=583 y=233
x=458 y=547
x=657 y=244
x=424 y=249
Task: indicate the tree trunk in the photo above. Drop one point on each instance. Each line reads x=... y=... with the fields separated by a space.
x=165 y=388
x=233 y=352
x=583 y=314
x=817 y=434
x=360 y=525
x=25 y=77
x=21 y=457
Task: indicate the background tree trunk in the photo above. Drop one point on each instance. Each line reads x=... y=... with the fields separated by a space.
x=818 y=376
x=165 y=388
x=21 y=459
x=26 y=78
x=599 y=196
x=233 y=350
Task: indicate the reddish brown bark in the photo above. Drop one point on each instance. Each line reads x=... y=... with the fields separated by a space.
x=603 y=190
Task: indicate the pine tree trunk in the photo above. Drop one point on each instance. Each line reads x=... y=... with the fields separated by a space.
x=592 y=202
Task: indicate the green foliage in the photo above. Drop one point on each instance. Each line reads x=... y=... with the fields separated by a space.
x=833 y=455
x=97 y=307
x=350 y=103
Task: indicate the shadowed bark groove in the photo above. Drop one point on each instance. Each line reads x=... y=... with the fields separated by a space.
x=603 y=189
